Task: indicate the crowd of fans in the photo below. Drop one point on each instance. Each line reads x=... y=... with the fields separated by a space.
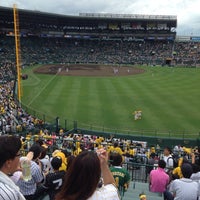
x=187 y=53
x=177 y=177
x=83 y=159
x=13 y=118
x=126 y=158
x=61 y=50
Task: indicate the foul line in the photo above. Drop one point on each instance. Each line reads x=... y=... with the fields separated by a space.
x=42 y=90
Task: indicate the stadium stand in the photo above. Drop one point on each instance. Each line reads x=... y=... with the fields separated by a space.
x=187 y=53
x=60 y=50
x=96 y=38
x=13 y=118
x=37 y=50
x=107 y=39
x=8 y=107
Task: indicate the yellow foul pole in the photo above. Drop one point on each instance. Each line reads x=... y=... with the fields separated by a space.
x=17 y=51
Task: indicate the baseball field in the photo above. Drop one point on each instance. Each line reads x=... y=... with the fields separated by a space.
x=169 y=98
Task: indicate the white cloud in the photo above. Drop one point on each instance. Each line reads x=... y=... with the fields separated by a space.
x=186 y=10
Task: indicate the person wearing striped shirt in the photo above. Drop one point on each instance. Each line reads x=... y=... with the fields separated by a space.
x=29 y=188
x=9 y=163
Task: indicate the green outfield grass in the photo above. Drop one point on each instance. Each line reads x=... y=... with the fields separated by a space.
x=168 y=97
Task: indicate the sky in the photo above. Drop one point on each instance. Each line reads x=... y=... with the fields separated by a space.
x=187 y=11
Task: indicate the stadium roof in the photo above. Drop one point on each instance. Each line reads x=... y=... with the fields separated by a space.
x=129 y=16
x=30 y=16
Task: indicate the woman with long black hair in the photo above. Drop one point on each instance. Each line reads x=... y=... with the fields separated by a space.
x=83 y=176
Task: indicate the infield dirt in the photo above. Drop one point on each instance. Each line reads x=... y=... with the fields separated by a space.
x=88 y=70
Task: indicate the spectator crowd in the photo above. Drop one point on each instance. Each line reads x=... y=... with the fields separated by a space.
x=104 y=165
x=13 y=118
x=46 y=50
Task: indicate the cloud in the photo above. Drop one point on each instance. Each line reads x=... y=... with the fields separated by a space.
x=187 y=11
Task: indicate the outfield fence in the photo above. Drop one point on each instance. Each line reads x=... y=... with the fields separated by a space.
x=184 y=134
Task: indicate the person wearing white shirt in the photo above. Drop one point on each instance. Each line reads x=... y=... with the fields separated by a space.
x=184 y=188
x=168 y=158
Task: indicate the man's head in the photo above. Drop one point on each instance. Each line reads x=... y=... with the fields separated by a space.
x=116 y=159
x=9 y=153
x=152 y=155
x=37 y=150
x=186 y=170
x=162 y=164
x=56 y=163
x=40 y=142
x=167 y=151
x=115 y=144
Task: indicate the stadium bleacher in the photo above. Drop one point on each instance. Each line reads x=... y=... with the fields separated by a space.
x=37 y=50
x=60 y=50
x=95 y=38
x=187 y=53
x=13 y=118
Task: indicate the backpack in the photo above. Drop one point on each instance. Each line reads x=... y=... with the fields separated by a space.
x=175 y=160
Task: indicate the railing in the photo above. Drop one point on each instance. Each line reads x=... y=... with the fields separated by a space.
x=139 y=171
x=143 y=132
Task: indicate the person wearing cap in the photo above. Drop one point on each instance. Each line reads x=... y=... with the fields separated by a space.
x=59 y=153
x=143 y=197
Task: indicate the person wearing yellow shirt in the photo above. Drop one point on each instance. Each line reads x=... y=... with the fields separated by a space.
x=187 y=150
x=116 y=149
x=110 y=149
x=131 y=151
x=101 y=139
x=100 y=146
x=78 y=144
x=61 y=132
x=152 y=150
x=177 y=171
x=41 y=133
x=98 y=141
x=77 y=151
